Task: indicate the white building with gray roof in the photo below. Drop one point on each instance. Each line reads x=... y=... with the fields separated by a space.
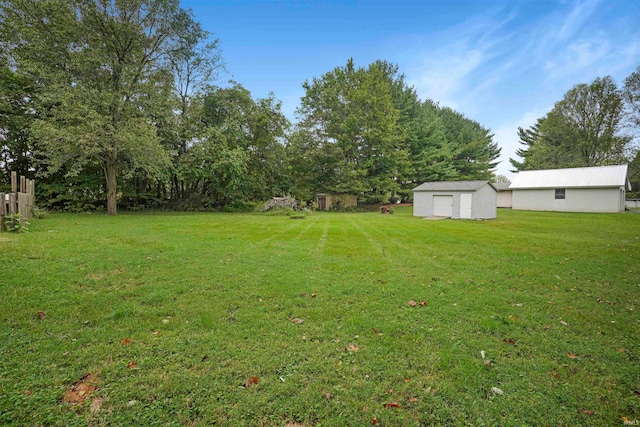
x=455 y=199
x=591 y=189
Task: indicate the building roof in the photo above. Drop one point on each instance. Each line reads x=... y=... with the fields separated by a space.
x=501 y=186
x=599 y=176
x=453 y=186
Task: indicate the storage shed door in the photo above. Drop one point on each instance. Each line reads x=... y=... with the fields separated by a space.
x=443 y=206
x=465 y=205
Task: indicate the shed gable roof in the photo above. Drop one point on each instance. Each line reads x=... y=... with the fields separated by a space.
x=453 y=186
x=501 y=186
x=598 y=176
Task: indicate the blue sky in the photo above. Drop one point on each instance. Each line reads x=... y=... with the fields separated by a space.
x=501 y=63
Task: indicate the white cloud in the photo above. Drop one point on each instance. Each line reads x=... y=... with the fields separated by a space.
x=578 y=17
x=447 y=74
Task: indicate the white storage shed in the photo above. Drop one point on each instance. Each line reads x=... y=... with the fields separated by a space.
x=455 y=199
x=591 y=189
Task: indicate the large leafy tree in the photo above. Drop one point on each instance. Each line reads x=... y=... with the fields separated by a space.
x=631 y=96
x=583 y=129
x=353 y=131
x=16 y=116
x=103 y=69
x=240 y=155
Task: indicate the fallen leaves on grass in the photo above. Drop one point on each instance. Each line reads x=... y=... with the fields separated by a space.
x=250 y=381
x=586 y=411
x=413 y=400
x=374 y=421
x=125 y=341
x=328 y=395
x=571 y=356
x=155 y=333
x=79 y=391
x=412 y=303
x=510 y=341
x=131 y=365
x=41 y=315
x=297 y=321
x=392 y=405
x=354 y=348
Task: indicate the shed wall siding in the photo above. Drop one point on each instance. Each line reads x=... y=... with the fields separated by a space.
x=484 y=203
x=576 y=200
x=422 y=204
x=505 y=199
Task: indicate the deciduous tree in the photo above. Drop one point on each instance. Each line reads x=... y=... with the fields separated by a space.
x=104 y=70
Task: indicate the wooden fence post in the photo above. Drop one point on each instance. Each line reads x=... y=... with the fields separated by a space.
x=3 y=203
x=12 y=210
x=14 y=181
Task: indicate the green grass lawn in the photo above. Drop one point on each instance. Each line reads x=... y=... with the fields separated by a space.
x=172 y=314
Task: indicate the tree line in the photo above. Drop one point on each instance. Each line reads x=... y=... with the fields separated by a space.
x=115 y=104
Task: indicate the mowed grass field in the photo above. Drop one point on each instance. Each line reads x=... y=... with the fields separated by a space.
x=258 y=320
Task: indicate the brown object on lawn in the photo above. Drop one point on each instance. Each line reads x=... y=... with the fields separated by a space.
x=79 y=391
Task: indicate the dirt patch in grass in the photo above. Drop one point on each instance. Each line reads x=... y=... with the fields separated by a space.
x=78 y=392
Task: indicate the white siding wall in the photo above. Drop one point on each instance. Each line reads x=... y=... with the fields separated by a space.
x=576 y=200
x=484 y=203
x=505 y=199
x=422 y=204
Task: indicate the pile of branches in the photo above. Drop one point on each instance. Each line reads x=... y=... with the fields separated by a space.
x=282 y=203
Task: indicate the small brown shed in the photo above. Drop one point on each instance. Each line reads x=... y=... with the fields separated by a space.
x=326 y=202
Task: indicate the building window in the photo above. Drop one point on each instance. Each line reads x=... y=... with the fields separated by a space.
x=560 y=193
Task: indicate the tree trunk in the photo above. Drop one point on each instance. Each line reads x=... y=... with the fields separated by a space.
x=111 y=170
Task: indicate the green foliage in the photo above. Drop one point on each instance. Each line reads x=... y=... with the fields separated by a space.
x=583 y=129
x=102 y=75
x=364 y=131
x=81 y=193
x=14 y=224
x=355 y=140
x=631 y=96
x=38 y=213
x=16 y=115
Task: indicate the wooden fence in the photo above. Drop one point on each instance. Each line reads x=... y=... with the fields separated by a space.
x=17 y=204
